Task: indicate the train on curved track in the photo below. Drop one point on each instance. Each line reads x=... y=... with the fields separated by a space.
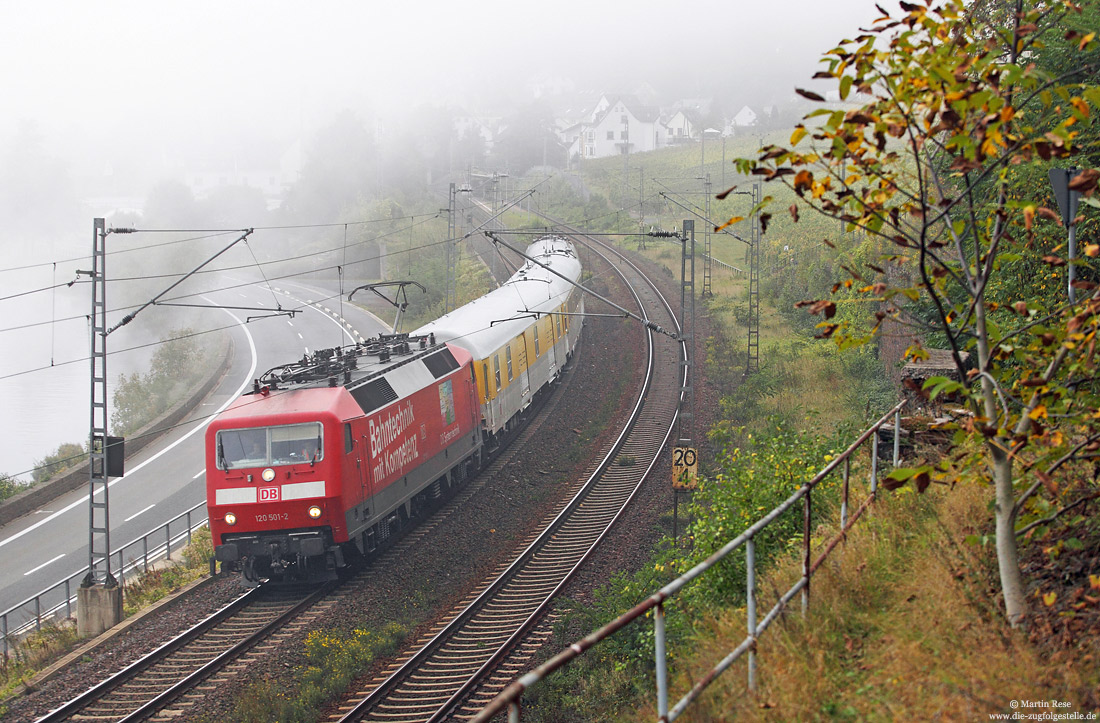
x=328 y=455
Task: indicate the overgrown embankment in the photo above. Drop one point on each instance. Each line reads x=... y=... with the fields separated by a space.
x=903 y=625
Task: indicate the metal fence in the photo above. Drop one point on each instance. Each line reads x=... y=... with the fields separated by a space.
x=135 y=556
x=511 y=697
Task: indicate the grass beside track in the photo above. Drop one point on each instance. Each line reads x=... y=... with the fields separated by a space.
x=902 y=626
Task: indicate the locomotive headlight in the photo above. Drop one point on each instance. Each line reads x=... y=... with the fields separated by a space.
x=230 y=518
x=315 y=512
x=268 y=474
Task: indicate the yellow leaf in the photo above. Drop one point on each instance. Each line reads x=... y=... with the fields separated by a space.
x=732 y=221
x=799 y=134
x=1040 y=412
x=1049 y=598
x=1094 y=582
x=1092 y=250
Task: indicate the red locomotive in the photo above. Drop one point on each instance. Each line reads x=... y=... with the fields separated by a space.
x=328 y=455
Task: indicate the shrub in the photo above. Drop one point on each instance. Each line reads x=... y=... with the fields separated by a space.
x=332 y=661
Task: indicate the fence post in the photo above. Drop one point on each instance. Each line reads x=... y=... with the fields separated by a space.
x=38 y=613
x=121 y=570
x=4 y=630
x=874 y=463
x=68 y=600
x=189 y=511
x=806 y=508
x=168 y=540
x=513 y=712
x=897 y=436
x=659 y=655
x=844 y=494
x=750 y=588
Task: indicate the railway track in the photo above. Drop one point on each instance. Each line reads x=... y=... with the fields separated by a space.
x=168 y=681
x=162 y=685
x=158 y=679
x=504 y=619
x=456 y=669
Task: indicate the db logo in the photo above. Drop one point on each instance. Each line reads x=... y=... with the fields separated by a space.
x=269 y=494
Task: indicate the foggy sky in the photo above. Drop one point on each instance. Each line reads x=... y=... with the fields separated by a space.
x=140 y=76
x=102 y=99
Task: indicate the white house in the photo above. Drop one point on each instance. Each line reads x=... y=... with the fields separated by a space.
x=745 y=117
x=679 y=127
x=619 y=125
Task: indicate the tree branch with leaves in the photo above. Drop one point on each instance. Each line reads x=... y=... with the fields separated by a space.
x=952 y=114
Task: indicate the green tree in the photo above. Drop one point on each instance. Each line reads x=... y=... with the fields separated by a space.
x=955 y=115
x=68 y=454
x=175 y=367
x=9 y=486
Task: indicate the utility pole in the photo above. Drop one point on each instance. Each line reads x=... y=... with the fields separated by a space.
x=707 y=291
x=99 y=599
x=685 y=419
x=450 y=285
x=752 y=363
x=1060 y=179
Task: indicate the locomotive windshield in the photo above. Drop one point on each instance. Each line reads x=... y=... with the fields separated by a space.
x=269 y=446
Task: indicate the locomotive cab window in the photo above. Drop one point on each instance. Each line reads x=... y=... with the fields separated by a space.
x=270 y=446
x=496 y=369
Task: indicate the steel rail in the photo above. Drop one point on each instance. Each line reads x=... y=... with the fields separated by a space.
x=509 y=698
x=180 y=643
x=473 y=680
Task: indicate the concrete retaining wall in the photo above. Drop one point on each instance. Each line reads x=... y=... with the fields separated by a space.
x=42 y=493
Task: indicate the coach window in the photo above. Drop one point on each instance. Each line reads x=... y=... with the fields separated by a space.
x=536 y=341
x=559 y=326
x=508 y=358
x=496 y=369
x=485 y=374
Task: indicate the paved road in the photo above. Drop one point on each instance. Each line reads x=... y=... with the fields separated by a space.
x=167 y=477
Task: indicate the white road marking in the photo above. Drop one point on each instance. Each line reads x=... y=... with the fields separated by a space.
x=112 y=483
x=138 y=513
x=307 y=350
x=300 y=336
x=200 y=474
x=31 y=572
